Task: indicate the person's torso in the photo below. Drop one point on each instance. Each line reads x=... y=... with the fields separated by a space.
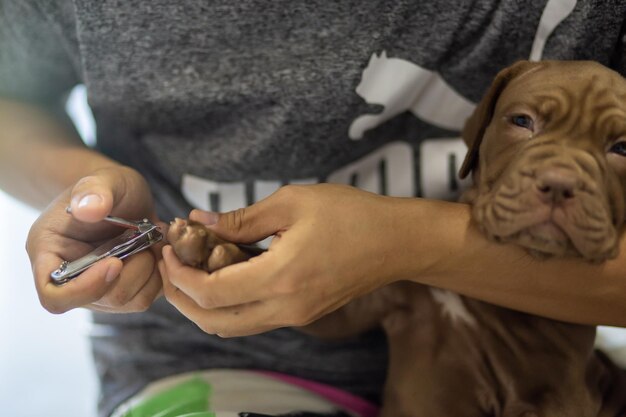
x=225 y=102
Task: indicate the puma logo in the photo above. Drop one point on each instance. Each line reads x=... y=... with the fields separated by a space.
x=400 y=86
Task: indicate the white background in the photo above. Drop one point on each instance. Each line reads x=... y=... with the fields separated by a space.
x=45 y=360
x=45 y=364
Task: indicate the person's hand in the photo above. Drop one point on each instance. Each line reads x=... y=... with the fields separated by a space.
x=110 y=285
x=331 y=245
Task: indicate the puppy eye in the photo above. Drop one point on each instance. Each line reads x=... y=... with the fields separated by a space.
x=523 y=120
x=619 y=148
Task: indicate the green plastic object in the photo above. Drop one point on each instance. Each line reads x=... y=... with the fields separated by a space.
x=187 y=399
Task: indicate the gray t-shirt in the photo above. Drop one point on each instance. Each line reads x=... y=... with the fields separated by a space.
x=220 y=103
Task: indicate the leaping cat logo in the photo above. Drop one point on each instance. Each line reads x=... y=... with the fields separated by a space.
x=400 y=86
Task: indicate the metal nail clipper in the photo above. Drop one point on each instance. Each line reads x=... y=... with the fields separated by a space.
x=139 y=236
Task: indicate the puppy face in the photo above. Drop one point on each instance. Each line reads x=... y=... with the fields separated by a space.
x=548 y=151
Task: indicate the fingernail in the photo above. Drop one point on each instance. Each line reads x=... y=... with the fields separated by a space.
x=89 y=200
x=111 y=274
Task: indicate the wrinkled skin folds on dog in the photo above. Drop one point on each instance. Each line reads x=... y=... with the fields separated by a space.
x=551 y=172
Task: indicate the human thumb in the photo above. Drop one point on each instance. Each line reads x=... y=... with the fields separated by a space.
x=92 y=197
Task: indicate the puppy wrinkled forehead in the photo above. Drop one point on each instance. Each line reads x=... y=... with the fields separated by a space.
x=579 y=79
x=577 y=98
x=590 y=101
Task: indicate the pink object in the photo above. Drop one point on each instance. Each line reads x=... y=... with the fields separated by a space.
x=349 y=402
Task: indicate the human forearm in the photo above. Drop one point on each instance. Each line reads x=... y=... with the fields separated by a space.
x=39 y=157
x=334 y=244
x=445 y=249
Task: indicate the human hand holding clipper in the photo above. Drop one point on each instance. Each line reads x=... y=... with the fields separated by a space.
x=107 y=284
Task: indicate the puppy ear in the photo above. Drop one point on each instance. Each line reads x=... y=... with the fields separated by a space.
x=477 y=123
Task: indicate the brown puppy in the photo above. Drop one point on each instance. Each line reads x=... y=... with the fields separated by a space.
x=547 y=148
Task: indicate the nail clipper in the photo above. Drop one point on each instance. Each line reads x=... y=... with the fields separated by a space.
x=139 y=236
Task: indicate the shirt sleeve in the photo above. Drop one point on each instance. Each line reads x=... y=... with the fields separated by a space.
x=38 y=53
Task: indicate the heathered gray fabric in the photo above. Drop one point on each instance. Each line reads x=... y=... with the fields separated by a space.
x=246 y=90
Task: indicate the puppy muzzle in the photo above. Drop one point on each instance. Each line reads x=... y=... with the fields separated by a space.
x=554 y=201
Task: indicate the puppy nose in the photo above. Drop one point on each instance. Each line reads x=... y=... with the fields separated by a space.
x=556 y=185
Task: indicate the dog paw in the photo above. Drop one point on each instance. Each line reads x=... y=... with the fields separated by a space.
x=225 y=254
x=199 y=247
